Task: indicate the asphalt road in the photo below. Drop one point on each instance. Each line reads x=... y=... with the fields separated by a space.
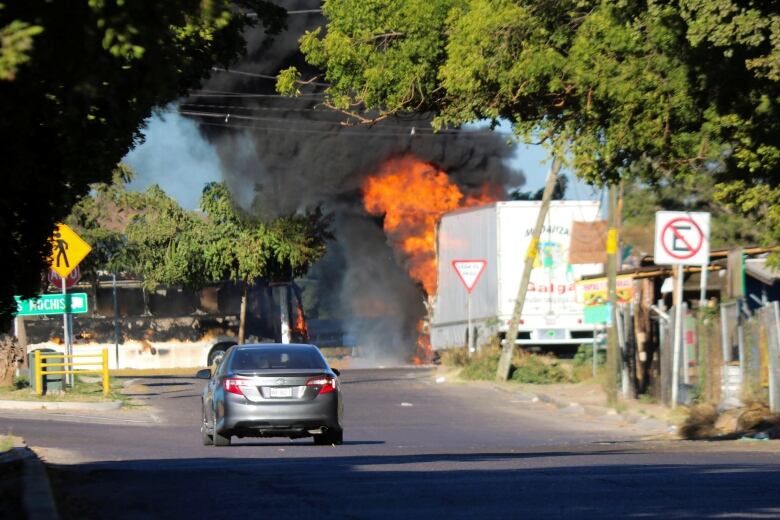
x=413 y=449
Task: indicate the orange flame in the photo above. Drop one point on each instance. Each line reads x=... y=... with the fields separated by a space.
x=413 y=195
x=300 y=326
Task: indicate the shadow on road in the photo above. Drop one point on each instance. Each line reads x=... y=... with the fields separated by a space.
x=592 y=484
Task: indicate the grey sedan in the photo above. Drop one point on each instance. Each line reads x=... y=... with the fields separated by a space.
x=272 y=390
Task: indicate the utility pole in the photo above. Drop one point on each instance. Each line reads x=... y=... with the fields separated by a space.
x=508 y=350
x=612 y=338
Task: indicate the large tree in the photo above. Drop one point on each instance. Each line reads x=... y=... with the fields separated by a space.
x=641 y=89
x=77 y=81
x=179 y=247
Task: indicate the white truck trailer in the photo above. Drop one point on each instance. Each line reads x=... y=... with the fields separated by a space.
x=500 y=234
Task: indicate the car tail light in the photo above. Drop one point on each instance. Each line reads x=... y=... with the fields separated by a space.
x=234 y=385
x=327 y=384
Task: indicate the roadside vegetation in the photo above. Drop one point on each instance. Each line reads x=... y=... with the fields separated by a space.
x=527 y=368
x=82 y=391
x=6 y=443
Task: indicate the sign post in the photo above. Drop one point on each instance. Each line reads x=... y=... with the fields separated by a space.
x=67 y=251
x=469 y=272
x=681 y=238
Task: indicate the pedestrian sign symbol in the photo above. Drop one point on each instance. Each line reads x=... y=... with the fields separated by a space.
x=682 y=238
x=68 y=250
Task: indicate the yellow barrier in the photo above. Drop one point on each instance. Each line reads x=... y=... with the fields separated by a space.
x=40 y=364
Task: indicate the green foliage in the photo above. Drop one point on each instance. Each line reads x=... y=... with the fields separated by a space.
x=16 y=41
x=526 y=368
x=80 y=79
x=481 y=367
x=584 y=356
x=21 y=382
x=699 y=192
x=179 y=247
x=538 y=370
x=657 y=91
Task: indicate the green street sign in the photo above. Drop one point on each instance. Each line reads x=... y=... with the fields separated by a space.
x=51 y=304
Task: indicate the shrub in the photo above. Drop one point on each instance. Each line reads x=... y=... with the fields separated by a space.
x=539 y=370
x=481 y=367
x=454 y=357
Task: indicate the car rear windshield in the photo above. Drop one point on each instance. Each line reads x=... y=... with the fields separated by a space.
x=270 y=358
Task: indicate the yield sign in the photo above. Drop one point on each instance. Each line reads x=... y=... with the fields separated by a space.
x=682 y=238
x=469 y=271
x=67 y=250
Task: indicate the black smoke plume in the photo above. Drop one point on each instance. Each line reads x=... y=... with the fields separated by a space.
x=281 y=155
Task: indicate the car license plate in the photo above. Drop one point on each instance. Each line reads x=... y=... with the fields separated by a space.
x=280 y=392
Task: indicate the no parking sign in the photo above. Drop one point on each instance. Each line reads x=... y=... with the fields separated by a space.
x=682 y=238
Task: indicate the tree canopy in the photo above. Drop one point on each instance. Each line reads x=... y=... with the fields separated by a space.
x=150 y=235
x=78 y=80
x=642 y=89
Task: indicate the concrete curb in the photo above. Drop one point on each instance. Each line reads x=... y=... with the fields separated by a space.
x=58 y=405
x=37 y=498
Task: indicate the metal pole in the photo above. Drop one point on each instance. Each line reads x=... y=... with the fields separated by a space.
x=595 y=350
x=685 y=354
x=677 y=336
x=621 y=332
x=774 y=406
x=66 y=332
x=724 y=334
x=469 y=331
x=703 y=286
x=116 y=318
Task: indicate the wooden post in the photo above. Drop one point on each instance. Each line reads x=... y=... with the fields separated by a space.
x=508 y=350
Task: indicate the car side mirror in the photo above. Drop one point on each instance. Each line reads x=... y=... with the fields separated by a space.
x=336 y=371
x=204 y=374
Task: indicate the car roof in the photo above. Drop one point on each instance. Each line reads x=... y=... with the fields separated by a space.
x=302 y=346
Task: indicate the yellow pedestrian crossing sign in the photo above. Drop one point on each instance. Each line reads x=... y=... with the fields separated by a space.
x=67 y=250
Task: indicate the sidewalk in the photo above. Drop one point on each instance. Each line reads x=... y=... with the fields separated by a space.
x=586 y=400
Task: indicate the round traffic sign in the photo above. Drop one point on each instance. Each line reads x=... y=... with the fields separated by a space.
x=682 y=238
x=70 y=280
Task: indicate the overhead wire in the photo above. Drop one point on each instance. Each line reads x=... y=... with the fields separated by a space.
x=335 y=124
x=345 y=132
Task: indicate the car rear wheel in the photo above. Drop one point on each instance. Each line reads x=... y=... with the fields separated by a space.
x=221 y=440
x=335 y=437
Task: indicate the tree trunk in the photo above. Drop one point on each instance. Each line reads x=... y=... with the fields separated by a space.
x=242 y=314
x=11 y=353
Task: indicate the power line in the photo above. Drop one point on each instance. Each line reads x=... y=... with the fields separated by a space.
x=258 y=75
x=301 y=97
x=359 y=134
x=407 y=130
